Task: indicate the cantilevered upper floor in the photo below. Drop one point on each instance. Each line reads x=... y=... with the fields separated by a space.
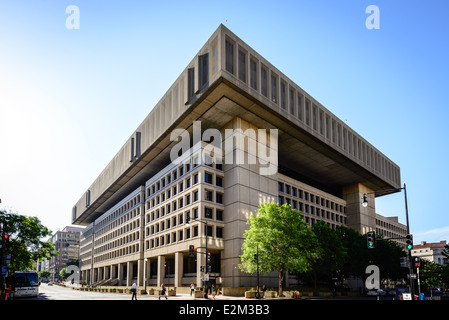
x=228 y=79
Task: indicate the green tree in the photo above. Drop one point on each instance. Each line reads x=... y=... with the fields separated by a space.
x=430 y=274
x=63 y=273
x=387 y=256
x=26 y=245
x=284 y=240
x=332 y=254
x=357 y=253
x=44 y=274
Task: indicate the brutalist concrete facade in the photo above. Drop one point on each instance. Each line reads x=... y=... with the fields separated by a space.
x=136 y=209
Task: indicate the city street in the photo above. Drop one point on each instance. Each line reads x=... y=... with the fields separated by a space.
x=56 y=292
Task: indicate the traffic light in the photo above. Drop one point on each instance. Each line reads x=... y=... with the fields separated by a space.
x=191 y=251
x=5 y=240
x=208 y=256
x=256 y=258
x=416 y=262
x=409 y=241
x=371 y=239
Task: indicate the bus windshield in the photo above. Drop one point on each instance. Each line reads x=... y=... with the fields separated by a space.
x=26 y=279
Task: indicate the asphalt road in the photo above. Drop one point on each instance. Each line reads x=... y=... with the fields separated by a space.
x=56 y=292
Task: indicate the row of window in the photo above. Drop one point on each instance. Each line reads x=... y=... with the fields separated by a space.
x=295 y=192
x=190 y=197
x=264 y=80
x=183 y=234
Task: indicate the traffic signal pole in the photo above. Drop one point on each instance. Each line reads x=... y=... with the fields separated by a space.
x=365 y=203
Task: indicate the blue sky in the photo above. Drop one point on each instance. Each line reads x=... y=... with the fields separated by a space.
x=69 y=99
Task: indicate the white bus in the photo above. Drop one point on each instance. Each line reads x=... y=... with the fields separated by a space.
x=25 y=284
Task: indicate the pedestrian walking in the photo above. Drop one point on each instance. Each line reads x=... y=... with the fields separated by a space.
x=192 y=288
x=134 y=291
x=163 y=292
x=214 y=291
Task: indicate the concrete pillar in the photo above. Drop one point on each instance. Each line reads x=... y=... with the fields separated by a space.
x=120 y=274
x=129 y=277
x=160 y=270
x=140 y=272
x=179 y=269
x=360 y=218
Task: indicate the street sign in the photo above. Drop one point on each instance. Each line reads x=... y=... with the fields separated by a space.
x=411 y=276
x=4 y=270
x=404 y=262
x=406 y=296
x=205 y=277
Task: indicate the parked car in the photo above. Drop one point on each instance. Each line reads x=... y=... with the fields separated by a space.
x=378 y=292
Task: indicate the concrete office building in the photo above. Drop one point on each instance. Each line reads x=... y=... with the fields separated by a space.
x=431 y=251
x=67 y=243
x=136 y=210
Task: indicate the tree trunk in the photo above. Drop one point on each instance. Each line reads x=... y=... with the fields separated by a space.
x=315 y=288
x=281 y=277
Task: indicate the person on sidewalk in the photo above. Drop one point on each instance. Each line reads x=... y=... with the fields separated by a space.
x=134 y=291
x=163 y=292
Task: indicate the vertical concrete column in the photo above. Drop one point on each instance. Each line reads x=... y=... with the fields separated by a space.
x=362 y=219
x=120 y=274
x=129 y=277
x=140 y=272
x=113 y=273
x=160 y=270
x=248 y=182
x=179 y=269
x=146 y=271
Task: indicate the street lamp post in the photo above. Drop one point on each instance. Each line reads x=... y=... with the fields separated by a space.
x=205 y=269
x=365 y=204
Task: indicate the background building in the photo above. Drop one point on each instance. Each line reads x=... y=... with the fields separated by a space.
x=431 y=251
x=67 y=243
x=135 y=211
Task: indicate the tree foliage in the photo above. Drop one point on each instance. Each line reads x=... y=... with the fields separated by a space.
x=26 y=244
x=319 y=253
x=283 y=239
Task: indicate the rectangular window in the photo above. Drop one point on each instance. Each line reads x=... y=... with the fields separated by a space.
x=322 y=122
x=291 y=101
x=307 y=112
x=264 y=81
x=242 y=66
x=253 y=73
x=208 y=213
x=229 y=57
x=314 y=118
x=219 y=197
x=195 y=231
x=300 y=111
x=208 y=177
x=190 y=83
x=219 y=215
x=283 y=96
x=208 y=231
x=219 y=181
x=209 y=195
x=274 y=90
x=195 y=213
x=203 y=70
